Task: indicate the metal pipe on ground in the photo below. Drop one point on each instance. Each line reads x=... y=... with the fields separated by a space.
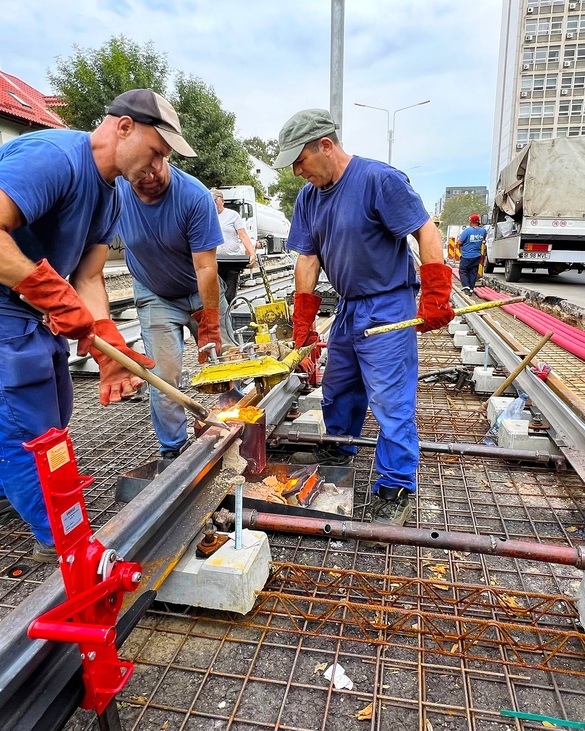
x=470 y=542
x=465 y=450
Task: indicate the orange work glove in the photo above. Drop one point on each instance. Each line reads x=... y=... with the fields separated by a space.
x=435 y=292
x=306 y=306
x=64 y=310
x=209 y=332
x=116 y=382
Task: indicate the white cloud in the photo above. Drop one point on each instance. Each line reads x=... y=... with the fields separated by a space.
x=268 y=59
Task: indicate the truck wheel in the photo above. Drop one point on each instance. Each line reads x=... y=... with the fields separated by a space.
x=512 y=270
x=488 y=267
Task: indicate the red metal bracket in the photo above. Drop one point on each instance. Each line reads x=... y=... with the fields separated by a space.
x=95 y=577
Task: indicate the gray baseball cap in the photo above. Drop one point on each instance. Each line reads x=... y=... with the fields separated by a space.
x=301 y=128
x=145 y=106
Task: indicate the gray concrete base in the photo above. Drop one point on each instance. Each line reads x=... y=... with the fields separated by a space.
x=311 y=422
x=470 y=355
x=228 y=580
x=513 y=434
x=311 y=401
x=497 y=404
x=457 y=325
x=485 y=382
x=465 y=337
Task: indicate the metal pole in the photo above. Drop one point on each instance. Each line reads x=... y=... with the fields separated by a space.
x=239 y=506
x=336 y=66
x=472 y=542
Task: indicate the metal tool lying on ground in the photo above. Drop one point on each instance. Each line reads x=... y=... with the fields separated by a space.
x=188 y=403
x=459 y=311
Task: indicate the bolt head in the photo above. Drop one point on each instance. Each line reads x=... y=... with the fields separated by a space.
x=136 y=577
x=91 y=656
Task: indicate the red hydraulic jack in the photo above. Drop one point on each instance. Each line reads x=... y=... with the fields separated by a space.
x=95 y=579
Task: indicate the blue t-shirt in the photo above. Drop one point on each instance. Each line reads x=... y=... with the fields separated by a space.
x=67 y=205
x=471 y=240
x=358 y=228
x=161 y=237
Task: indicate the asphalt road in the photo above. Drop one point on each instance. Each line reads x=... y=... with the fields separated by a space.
x=569 y=285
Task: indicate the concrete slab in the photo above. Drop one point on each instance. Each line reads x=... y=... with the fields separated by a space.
x=228 y=580
x=465 y=337
x=497 y=404
x=513 y=434
x=471 y=355
x=311 y=422
x=485 y=382
x=311 y=401
x=457 y=325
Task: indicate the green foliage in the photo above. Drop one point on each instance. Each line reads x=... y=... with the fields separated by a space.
x=457 y=210
x=287 y=188
x=265 y=150
x=91 y=78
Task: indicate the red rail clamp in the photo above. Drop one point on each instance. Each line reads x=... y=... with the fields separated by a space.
x=95 y=577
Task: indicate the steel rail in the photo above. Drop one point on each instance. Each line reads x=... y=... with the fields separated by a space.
x=568 y=426
x=155 y=528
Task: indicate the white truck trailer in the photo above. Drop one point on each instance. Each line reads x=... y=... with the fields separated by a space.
x=264 y=223
x=538 y=218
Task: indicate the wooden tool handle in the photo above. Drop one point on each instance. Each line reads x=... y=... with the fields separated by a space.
x=131 y=365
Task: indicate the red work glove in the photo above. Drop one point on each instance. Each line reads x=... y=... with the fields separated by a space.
x=209 y=332
x=64 y=310
x=435 y=292
x=306 y=306
x=116 y=382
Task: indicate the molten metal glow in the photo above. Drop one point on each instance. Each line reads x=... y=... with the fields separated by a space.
x=249 y=414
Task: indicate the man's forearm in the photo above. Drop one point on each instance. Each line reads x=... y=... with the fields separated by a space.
x=208 y=283
x=306 y=273
x=14 y=265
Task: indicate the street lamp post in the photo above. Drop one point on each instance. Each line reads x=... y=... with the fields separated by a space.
x=391 y=129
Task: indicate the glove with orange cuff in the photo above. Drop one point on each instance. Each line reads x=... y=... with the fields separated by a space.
x=435 y=292
x=209 y=331
x=116 y=382
x=65 y=313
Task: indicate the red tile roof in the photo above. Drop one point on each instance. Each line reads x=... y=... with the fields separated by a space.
x=36 y=113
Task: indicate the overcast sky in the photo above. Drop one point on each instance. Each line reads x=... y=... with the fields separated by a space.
x=267 y=60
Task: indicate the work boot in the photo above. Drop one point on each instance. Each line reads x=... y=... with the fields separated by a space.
x=43 y=553
x=327 y=455
x=391 y=506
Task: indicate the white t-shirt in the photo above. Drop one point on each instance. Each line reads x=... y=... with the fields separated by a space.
x=230 y=222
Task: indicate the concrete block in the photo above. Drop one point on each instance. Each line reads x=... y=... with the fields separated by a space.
x=311 y=422
x=470 y=355
x=581 y=601
x=457 y=325
x=513 y=434
x=485 y=381
x=465 y=337
x=229 y=580
x=497 y=404
x=311 y=401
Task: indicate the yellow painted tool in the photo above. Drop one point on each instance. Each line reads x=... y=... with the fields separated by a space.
x=460 y=311
x=265 y=370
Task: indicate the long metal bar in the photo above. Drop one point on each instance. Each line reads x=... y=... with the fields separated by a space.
x=568 y=426
x=140 y=531
x=470 y=450
x=474 y=543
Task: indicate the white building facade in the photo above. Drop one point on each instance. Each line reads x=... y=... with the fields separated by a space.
x=541 y=76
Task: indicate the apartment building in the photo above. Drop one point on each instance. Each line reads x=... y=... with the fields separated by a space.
x=452 y=191
x=541 y=76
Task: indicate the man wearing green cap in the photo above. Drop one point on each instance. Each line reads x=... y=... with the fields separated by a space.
x=353 y=220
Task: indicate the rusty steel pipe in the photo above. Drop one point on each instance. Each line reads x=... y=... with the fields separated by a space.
x=471 y=542
x=469 y=450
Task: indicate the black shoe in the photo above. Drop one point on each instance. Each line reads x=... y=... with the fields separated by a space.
x=44 y=554
x=392 y=507
x=169 y=454
x=327 y=455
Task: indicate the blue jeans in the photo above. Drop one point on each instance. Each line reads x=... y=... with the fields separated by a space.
x=36 y=394
x=162 y=321
x=380 y=371
x=468 y=270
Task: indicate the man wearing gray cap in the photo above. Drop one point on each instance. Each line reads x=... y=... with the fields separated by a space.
x=58 y=210
x=353 y=220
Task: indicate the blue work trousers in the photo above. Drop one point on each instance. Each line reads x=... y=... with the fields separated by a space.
x=36 y=394
x=380 y=371
x=162 y=322
x=468 y=267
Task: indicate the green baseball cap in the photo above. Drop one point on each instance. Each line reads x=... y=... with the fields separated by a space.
x=301 y=128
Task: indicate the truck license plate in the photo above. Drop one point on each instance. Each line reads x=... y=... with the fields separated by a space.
x=534 y=255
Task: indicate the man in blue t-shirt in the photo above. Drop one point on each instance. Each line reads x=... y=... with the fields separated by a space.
x=58 y=209
x=352 y=220
x=170 y=217
x=470 y=243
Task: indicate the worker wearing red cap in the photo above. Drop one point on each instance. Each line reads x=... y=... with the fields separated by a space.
x=470 y=243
